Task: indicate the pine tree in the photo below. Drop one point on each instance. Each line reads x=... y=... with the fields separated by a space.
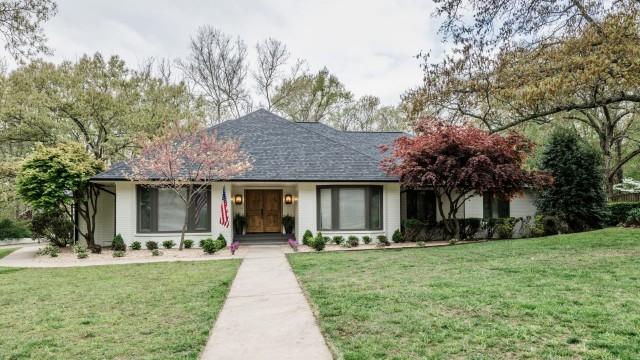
x=577 y=196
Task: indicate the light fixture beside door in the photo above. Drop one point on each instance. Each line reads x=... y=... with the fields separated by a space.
x=238 y=199
x=288 y=199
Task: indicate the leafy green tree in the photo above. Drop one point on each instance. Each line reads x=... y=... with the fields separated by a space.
x=21 y=26
x=577 y=195
x=311 y=97
x=56 y=179
x=97 y=102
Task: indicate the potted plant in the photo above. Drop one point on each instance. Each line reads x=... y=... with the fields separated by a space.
x=239 y=222
x=289 y=222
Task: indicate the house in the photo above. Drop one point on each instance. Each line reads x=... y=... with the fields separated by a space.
x=329 y=180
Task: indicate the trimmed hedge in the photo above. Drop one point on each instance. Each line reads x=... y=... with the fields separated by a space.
x=618 y=212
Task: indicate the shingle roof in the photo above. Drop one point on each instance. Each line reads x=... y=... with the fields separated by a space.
x=283 y=150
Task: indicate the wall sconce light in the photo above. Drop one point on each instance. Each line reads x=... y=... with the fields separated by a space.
x=288 y=199
x=238 y=199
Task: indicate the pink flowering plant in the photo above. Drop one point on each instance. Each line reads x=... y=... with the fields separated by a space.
x=187 y=160
x=293 y=243
x=234 y=247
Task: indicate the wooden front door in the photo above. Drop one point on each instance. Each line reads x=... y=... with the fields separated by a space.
x=263 y=211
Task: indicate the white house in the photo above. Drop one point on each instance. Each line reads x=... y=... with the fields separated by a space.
x=329 y=180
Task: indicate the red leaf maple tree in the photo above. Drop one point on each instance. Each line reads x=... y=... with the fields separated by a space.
x=461 y=161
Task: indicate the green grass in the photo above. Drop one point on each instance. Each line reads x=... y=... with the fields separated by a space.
x=142 y=311
x=564 y=297
x=5 y=252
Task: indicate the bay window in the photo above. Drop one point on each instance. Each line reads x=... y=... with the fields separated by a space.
x=161 y=210
x=349 y=207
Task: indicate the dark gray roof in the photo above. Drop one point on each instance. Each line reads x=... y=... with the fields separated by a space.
x=283 y=150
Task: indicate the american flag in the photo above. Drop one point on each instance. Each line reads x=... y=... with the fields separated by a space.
x=200 y=203
x=224 y=214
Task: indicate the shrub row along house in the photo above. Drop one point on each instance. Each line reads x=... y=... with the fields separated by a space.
x=327 y=180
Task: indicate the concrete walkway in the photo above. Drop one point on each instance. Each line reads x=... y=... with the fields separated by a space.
x=266 y=315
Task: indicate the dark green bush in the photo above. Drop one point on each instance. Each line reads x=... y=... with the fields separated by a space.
x=209 y=246
x=82 y=254
x=151 y=245
x=505 y=226
x=118 y=243
x=136 y=245
x=489 y=226
x=220 y=244
x=118 y=253
x=619 y=211
x=307 y=237
x=96 y=249
x=469 y=227
x=318 y=243
x=382 y=239
x=56 y=228
x=353 y=240
x=366 y=239
x=633 y=217
x=221 y=240
x=397 y=236
x=188 y=244
x=412 y=229
x=10 y=229
x=168 y=244
x=338 y=239
x=553 y=225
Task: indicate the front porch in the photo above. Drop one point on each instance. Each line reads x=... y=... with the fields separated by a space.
x=258 y=209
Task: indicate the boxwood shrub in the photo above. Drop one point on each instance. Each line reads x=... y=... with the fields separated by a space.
x=118 y=243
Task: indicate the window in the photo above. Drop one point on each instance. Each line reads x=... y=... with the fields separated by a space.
x=162 y=210
x=349 y=207
x=495 y=207
x=421 y=205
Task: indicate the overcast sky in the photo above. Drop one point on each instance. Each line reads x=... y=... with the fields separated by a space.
x=370 y=45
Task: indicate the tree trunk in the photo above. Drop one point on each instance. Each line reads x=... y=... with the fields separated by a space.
x=184 y=230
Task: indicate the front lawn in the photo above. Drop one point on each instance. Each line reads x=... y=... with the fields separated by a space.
x=159 y=311
x=5 y=252
x=568 y=296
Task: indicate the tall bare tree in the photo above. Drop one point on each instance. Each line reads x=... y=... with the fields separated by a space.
x=272 y=58
x=21 y=27
x=217 y=67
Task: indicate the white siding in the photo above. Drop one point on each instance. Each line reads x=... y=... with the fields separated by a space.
x=523 y=205
x=104 y=230
x=306 y=214
x=474 y=207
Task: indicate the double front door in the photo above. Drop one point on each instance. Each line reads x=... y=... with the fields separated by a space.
x=263 y=210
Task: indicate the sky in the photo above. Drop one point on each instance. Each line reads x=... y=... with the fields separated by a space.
x=370 y=45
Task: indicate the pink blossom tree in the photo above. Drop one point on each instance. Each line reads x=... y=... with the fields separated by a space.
x=188 y=158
